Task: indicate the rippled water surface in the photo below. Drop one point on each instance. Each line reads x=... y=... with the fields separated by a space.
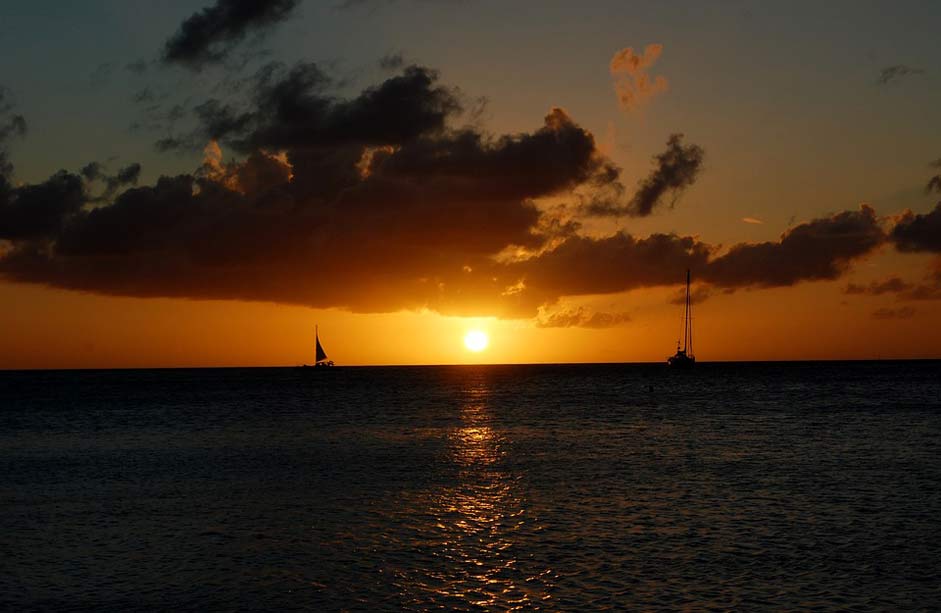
x=582 y=487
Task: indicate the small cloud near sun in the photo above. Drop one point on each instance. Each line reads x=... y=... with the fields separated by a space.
x=752 y=220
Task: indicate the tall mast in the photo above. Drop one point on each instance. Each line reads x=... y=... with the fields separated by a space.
x=686 y=314
x=689 y=314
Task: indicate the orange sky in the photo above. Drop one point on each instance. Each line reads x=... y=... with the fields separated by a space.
x=46 y=328
x=390 y=199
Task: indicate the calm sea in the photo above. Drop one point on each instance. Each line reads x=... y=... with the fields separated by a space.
x=575 y=487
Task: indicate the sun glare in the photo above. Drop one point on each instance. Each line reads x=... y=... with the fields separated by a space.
x=475 y=340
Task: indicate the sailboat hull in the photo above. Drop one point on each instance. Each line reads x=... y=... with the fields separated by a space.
x=320 y=365
x=681 y=361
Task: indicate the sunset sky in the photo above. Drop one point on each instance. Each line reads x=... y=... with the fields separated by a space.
x=200 y=182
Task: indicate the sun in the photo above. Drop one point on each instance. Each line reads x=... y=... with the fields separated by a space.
x=476 y=340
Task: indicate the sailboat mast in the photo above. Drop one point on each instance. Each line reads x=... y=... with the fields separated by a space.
x=686 y=315
x=689 y=314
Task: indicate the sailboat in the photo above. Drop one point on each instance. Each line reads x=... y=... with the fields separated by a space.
x=321 y=355
x=684 y=357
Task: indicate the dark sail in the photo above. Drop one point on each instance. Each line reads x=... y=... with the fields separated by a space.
x=321 y=354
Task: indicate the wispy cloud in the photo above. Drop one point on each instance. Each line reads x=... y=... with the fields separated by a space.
x=581 y=318
x=752 y=220
x=891 y=74
x=209 y=35
x=632 y=83
x=675 y=169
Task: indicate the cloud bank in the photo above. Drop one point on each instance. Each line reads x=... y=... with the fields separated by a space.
x=384 y=201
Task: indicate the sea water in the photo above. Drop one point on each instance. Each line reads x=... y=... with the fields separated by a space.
x=570 y=487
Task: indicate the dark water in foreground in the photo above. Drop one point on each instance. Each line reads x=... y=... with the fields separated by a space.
x=623 y=487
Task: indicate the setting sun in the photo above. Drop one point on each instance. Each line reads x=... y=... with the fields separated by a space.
x=476 y=341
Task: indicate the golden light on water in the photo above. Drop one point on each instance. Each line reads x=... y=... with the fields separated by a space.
x=476 y=340
x=477 y=523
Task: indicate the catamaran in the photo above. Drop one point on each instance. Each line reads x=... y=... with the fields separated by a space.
x=321 y=355
x=684 y=357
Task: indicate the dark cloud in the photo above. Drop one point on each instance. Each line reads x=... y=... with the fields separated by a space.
x=675 y=170
x=899 y=313
x=934 y=184
x=582 y=266
x=582 y=318
x=14 y=125
x=32 y=212
x=208 y=35
x=918 y=233
x=11 y=125
x=170 y=143
x=294 y=109
x=372 y=203
x=896 y=73
x=381 y=202
x=125 y=177
x=391 y=61
x=927 y=289
x=821 y=249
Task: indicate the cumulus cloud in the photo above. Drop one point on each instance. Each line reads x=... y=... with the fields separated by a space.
x=582 y=318
x=373 y=203
x=632 y=83
x=209 y=35
x=918 y=232
x=893 y=74
x=34 y=212
x=379 y=202
x=821 y=249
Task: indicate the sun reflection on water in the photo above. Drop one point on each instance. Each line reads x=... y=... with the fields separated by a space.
x=480 y=523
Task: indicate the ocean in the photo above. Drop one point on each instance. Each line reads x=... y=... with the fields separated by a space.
x=785 y=486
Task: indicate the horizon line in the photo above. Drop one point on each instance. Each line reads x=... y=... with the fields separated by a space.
x=462 y=364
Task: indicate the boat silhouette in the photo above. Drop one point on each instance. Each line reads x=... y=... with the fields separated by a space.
x=684 y=357
x=320 y=355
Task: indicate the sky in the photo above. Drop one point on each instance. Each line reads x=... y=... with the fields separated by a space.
x=200 y=183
